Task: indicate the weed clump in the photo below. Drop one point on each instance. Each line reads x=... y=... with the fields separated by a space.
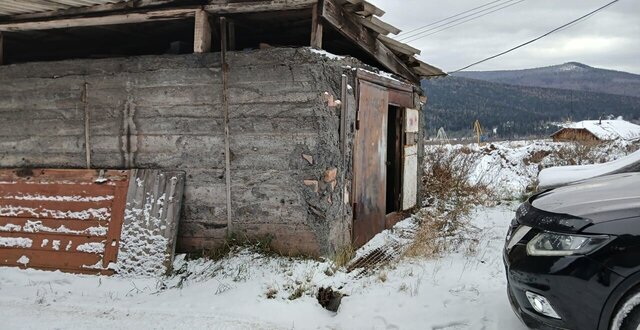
x=449 y=197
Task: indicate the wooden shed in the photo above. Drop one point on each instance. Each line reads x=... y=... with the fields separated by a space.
x=598 y=130
x=277 y=136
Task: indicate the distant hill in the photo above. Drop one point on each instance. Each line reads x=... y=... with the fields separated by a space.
x=515 y=111
x=572 y=76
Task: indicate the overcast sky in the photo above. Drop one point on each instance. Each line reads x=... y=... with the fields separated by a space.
x=610 y=39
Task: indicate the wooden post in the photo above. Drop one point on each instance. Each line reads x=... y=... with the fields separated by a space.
x=316 y=28
x=202 y=33
x=225 y=106
x=87 y=121
x=1 y=49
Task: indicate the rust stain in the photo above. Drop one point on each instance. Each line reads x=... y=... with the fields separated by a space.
x=370 y=156
x=67 y=220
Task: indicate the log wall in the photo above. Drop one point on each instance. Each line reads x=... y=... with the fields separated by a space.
x=166 y=112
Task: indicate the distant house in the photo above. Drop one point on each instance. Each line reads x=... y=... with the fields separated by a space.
x=598 y=130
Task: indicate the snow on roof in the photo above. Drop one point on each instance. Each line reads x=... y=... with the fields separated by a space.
x=608 y=129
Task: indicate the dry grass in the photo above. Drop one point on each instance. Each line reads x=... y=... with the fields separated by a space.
x=344 y=255
x=450 y=197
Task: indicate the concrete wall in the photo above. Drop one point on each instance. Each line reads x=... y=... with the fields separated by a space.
x=166 y=112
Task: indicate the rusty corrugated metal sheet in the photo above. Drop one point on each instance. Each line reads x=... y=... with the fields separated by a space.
x=69 y=220
x=370 y=157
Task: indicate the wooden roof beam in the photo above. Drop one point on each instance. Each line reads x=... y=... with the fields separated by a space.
x=399 y=46
x=90 y=10
x=225 y=7
x=138 y=17
x=379 y=26
x=363 y=8
x=347 y=24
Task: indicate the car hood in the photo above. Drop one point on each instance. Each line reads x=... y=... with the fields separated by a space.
x=602 y=199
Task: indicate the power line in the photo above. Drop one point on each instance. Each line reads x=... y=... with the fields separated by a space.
x=413 y=34
x=538 y=38
x=421 y=35
x=450 y=17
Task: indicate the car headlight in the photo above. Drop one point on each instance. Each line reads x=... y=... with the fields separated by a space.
x=556 y=244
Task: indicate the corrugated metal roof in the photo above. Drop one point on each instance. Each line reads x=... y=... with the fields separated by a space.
x=15 y=7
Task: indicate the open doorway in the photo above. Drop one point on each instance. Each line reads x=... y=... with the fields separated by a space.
x=394 y=159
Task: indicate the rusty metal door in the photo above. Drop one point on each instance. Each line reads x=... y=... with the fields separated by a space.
x=69 y=220
x=370 y=156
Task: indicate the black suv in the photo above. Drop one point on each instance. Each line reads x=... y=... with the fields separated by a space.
x=572 y=256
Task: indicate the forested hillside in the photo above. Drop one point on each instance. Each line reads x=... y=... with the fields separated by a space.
x=515 y=111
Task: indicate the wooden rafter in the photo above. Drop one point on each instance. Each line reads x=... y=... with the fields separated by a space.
x=347 y=24
x=379 y=26
x=399 y=46
x=117 y=14
x=115 y=19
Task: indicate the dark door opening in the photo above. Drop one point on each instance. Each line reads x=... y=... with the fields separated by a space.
x=394 y=159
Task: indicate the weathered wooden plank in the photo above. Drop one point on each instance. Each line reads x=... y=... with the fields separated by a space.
x=1 y=48
x=114 y=19
x=202 y=32
x=379 y=26
x=91 y=10
x=150 y=224
x=231 y=7
x=316 y=28
x=398 y=46
x=364 y=8
x=347 y=25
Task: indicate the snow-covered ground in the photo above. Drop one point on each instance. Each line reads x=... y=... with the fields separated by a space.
x=465 y=288
x=462 y=290
x=510 y=168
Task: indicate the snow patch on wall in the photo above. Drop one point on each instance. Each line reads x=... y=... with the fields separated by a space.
x=14 y=242
x=10 y=227
x=24 y=260
x=37 y=227
x=93 y=247
x=29 y=197
x=15 y=211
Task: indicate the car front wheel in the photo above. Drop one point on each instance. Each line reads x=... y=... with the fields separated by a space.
x=627 y=317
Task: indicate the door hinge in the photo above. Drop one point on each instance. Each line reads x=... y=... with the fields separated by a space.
x=355 y=210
